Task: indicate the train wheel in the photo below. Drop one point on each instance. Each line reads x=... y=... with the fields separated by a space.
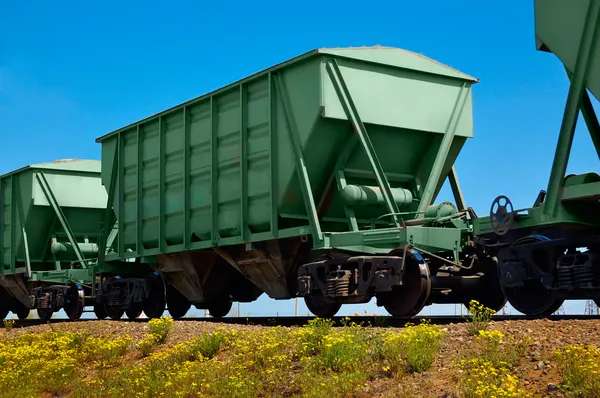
x=5 y=301
x=408 y=300
x=154 y=304
x=45 y=313
x=177 y=303
x=100 y=311
x=533 y=299
x=19 y=309
x=113 y=313
x=74 y=302
x=23 y=313
x=134 y=311
x=491 y=299
x=323 y=307
x=490 y=294
x=219 y=308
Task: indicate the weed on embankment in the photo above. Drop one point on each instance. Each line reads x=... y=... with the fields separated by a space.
x=317 y=360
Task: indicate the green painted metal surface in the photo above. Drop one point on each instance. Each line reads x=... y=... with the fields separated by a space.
x=266 y=157
x=50 y=217
x=559 y=28
x=571 y=31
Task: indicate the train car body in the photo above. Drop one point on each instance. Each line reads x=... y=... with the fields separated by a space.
x=316 y=177
x=551 y=251
x=50 y=226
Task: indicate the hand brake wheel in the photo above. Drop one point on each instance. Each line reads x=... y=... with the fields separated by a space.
x=501 y=215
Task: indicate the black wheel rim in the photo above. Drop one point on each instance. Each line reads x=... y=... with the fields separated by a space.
x=133 y=313
x=5 y=302
x=323 y=307
x=409 y=299
x=177 y=303
x=533 y=299
x=154 y=305
x=23 y=313
x=114 y=313
x=100 y=311
x=74 y=303
x=219 y=309
x=45 y=313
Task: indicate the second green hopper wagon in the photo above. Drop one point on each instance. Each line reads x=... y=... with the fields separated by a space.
x=50 y=226
x=550 y=252
x=316 y=177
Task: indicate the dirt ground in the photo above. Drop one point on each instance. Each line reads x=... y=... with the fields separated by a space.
x=538 y=373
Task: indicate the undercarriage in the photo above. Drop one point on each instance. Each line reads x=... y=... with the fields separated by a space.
x=539 y=273
x=403 y=282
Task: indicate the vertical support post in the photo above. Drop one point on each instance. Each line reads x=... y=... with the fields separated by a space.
x=456 y=191
x=214 y=170
x=161 y=181
x=340 y=178
x=309 y=202
x=351 y=111
x=243 y=162
x=273 y=157
x=109 y=212
x=567 y=129
x=57 y=265
x=94 y=271
x=121 y=196
x=442 y=155
x=2 y=187
x=339 y=165
x=139 y=189
x=27 y=257
x=17 y=186
x=186 y=178
x=13 y=246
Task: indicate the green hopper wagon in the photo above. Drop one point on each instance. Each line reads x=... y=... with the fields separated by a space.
x=50 y=220
x=316 y=178
x=551 y=251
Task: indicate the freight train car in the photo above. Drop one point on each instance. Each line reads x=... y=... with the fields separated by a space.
x=550 y=252
x=316 y=178
x=50 y=225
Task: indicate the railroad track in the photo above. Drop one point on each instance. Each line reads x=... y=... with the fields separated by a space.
x=381 y=321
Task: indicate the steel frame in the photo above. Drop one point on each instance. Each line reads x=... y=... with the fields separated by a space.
x=572 y=107
x=551 y=213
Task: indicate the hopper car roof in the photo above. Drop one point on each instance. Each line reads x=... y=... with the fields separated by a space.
x=80 y=165
x=389 y=56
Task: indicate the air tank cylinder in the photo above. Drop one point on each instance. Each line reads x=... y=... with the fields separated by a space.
x=66 y=248
x=439 y=210
x=361 y=195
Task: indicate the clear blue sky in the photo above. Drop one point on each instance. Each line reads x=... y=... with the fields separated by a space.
x=72 y=71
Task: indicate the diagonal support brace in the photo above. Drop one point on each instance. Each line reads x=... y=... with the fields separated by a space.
x=351 y=111
x=456 y=191
x=59 y=213
x=442 y=155
x=309 y=202
x=569 y=122
x=589 y=116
